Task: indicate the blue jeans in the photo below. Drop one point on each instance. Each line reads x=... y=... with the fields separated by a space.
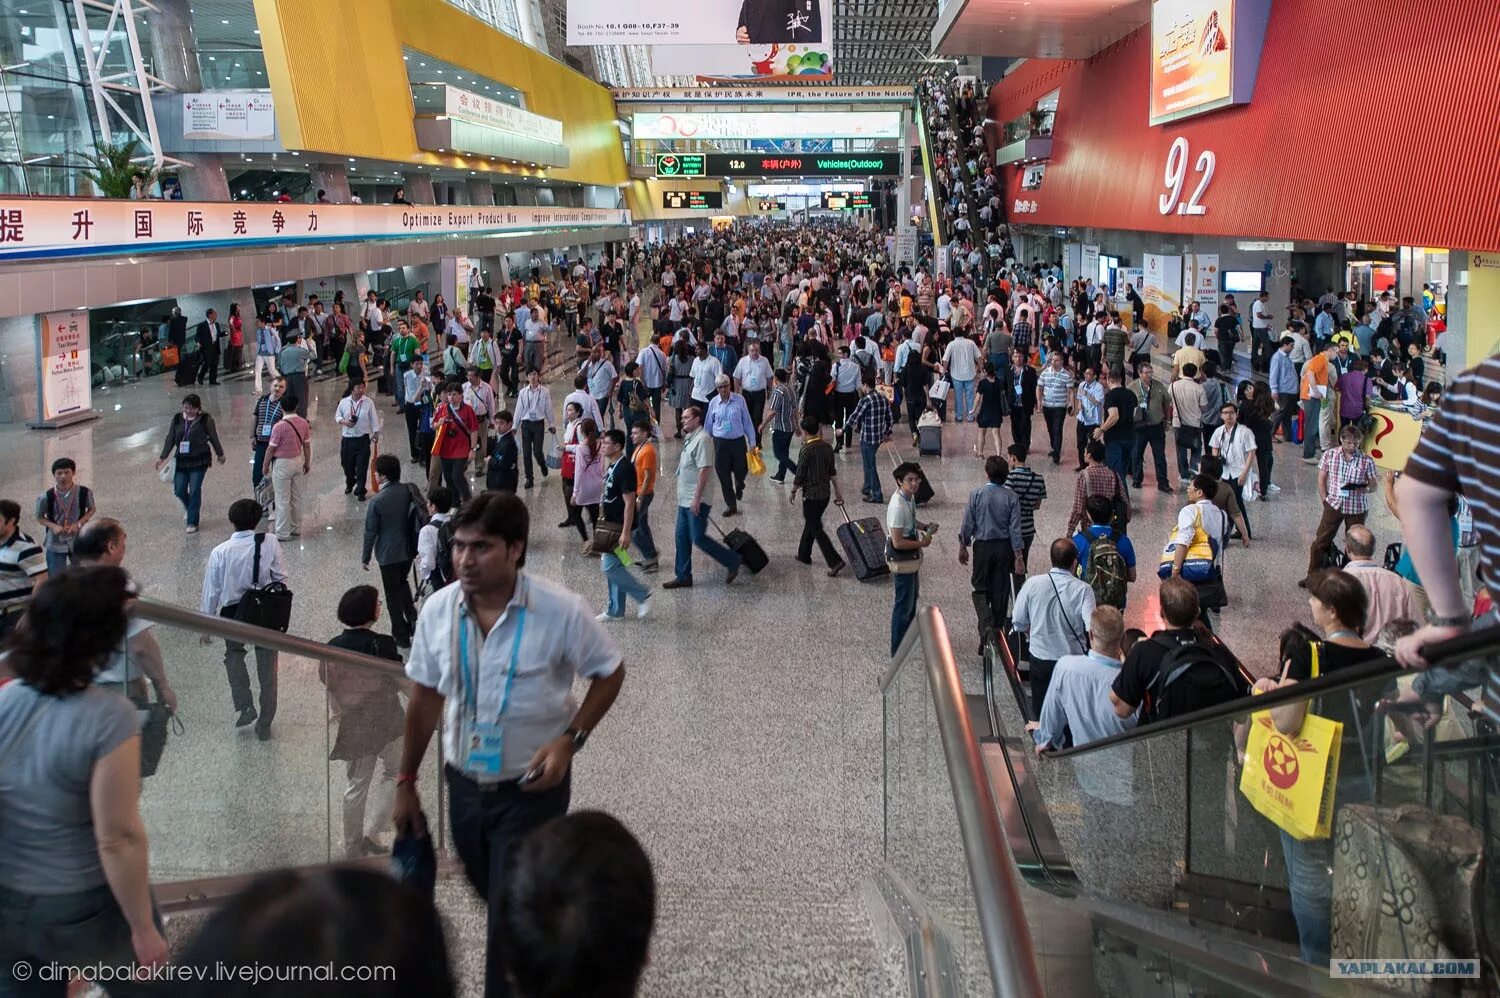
x=621 y=584
x=904 y=611
x=57 y=561
x=1311 y=410
x=258 y=462
x=77 y=928
x=1309 y=872
x=640 y=533
x=188 y=487
x=693 y=530
x=1118 y=456
x=963 y=392
x=867 y=454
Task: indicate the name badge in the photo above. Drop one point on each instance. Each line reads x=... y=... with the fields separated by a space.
x=182 y=448
x=265 y=429
x=486 y=750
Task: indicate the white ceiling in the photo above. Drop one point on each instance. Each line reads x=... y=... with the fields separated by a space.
x=1040 y=29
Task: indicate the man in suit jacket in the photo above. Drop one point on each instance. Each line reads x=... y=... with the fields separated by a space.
x=1018 y=386
x=177 y=329
x=389 y=537
x=208 y=335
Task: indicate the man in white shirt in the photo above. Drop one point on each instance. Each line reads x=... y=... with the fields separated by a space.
x=752 y=379
x=534 y=413
x=418 y=385
x=373 y=318
x=1390 y=598
x=230 y=574
x=585 y=401
x=961 y=361
x=359 y=427
x=655 y=369
x=1235 y=445
x=1260 y=332
x=494 y=660
x=481 y=398
x=534 y=331
x=705 y=373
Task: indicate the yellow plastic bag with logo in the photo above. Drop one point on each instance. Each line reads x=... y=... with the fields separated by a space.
x=756 y=463
x=1291 y=779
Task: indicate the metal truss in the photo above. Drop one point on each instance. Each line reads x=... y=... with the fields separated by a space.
x=133 y=80
x=882 y=42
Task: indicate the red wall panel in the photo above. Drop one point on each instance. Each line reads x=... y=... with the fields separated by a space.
x=1372 y=122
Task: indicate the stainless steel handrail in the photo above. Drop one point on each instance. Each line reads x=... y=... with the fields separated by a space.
x=993 y=875
x=171 y=615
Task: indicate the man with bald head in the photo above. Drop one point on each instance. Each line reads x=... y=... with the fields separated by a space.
x=1389 y=596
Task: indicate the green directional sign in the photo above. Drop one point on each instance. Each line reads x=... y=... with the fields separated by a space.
x=677 y=164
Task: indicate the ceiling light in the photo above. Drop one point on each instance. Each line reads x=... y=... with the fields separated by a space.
x=223 y=21
x=351 y=159
x=296 y=154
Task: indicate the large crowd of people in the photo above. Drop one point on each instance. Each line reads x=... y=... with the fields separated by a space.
x=708 y=342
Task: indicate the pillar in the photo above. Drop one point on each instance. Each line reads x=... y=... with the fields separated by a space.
x=481 y=191
x=332 y=178
x=175 y=62
x=419 y=188
x=903 y=189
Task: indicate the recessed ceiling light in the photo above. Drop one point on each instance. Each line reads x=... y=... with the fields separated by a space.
x=351 y=159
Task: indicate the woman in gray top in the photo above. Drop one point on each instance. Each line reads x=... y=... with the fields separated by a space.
x=74 y=886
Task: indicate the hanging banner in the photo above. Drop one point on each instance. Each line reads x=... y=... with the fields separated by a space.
x=1161 y=288
x=64 y=375
x=1088 y=263
x=820 y=94
x=756 y=62
x=1205 y=286
x=765 y=125
x=716 y=22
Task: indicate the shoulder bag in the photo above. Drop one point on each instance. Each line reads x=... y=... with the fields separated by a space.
x=903 y=561
x=268 y=606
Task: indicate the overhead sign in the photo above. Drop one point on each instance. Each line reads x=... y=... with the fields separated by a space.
x=229 y=114
x=97 y=227
x=845 y=200
x=771 y=204
x=905 y=249
x=680 y=164
x=66 y=379
x=1204 y=55
x=716 y=22
x=864 y=164
x=766 y=125
x=764 y=95
x=692 y=200
x=462 y=105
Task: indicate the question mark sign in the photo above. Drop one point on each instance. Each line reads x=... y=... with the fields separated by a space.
x=1375 y=444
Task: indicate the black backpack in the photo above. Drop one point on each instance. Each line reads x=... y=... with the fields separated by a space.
x=417 y=516
x=442 y=569
x=1182 y=658
x=85 y=500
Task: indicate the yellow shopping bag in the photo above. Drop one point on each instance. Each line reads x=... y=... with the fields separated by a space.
x=1291 y=779
x=756 y=463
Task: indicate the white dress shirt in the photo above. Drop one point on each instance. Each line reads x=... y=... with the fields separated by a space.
x=1054 y=609
x=228 y=574
x=753 y=374
x=427 y=545
x=481 y=398
x=534 y=404
x=586 y=403
x=560 y=642
x=705 y=371
x=366 y=419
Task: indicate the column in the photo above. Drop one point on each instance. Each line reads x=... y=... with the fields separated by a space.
x=419 y=188
x=903 y=187
x=481 y=191
x=175 y=62
x=332 y=178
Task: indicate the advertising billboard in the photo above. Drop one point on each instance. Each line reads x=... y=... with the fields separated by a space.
x=797 y=61
x=1204 y=55
x=1162 y=291
x=693 y=200
x=765 y=125
x=860 y=164
x=500 y=115
x=750 y=23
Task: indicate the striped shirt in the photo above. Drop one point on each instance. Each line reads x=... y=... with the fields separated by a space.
x=1031 y=489
x=783 y=410
x=1055 y=386
x=21 y=560
x=1090 y=402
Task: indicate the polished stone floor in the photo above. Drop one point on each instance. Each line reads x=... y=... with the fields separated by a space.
x=745 y=750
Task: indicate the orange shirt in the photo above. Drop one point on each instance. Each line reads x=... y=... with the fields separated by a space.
x=645 y=469
x=1314 y=372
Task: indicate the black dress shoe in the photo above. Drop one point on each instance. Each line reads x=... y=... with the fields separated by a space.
x=263 y=732
x=677 y=584
x=245 y=717
x=731 y=512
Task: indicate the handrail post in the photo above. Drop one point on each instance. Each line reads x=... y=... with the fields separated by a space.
x=992 y=870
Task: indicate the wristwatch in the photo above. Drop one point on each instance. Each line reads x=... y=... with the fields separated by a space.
x=1457 y=620
x=579 y=736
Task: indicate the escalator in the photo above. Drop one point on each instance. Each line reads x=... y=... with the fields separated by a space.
x=1135 y=866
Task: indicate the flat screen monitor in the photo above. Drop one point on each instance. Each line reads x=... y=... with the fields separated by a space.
x=1244 y=281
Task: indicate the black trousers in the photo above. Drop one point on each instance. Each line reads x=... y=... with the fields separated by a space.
x=812 y=531
x=1020 y=427
x=843 y=405
x=354 y=455
x=510 y=373
x=732 y=467
x=756 y=403
x=1041 y=678
x=208 y=365
x=993 y=563
x=1286 y=414
x=487 y=822
x=413 y=414
x=532 y=433
x=1056 y=416
x=398 y=600
x=1084 y=433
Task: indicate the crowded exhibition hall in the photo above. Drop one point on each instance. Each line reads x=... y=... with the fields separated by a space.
x=781 y=499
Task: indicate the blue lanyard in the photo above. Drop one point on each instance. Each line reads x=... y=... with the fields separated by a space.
x=471 y=691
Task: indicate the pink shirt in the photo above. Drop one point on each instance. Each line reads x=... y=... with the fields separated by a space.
x=1389 y=595
x=287 y=437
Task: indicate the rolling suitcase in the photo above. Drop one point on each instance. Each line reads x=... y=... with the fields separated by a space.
x=747 y=547
x=924 y=491
x=929 y=435
x=863 y=541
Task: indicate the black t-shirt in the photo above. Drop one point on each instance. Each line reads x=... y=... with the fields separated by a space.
x=1124 y=400
x=1337 y=706
x=618 y=480
x=991 y=402
x=1199 y=687
x=1228 y=326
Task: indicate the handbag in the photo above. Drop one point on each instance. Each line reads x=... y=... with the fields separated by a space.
x=902 y=561
x=1291 y=779
x=605 y=539
x=755 y=462
x=939 y=390
x=555 y=452
x=268 y=606
x=168 y=471
x=170 y=357
x=156 y=722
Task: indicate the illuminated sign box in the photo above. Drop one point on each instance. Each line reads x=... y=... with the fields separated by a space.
x=845 y=200
x=858 y=164
x=765 y=125
x=692 y=200
x=1204 y=55
x=679 y=165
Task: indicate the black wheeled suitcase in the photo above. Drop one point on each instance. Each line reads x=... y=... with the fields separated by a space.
x=747 y=547
x=924 y=491
x=863 y=541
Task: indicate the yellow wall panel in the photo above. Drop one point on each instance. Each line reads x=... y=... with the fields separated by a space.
x=340 y=85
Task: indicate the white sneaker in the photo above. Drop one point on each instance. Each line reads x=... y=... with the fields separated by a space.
x=642 y=608
x=1273 y=487
x=605 y=616
x=192 y=530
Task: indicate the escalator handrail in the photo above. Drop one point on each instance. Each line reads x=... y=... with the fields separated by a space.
x=171 y=615
x=1443 y=653
x=1003 y=926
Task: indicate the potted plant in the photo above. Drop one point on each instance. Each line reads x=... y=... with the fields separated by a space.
x=114 y=168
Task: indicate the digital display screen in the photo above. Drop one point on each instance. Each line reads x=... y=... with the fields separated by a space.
x=869 y=164
x=674 y=164
x=845 y=200
x=1244 y=281
x=772 y=204
x=692 y=199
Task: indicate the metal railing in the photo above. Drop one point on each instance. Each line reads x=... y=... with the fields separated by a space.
x=1004 y=932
